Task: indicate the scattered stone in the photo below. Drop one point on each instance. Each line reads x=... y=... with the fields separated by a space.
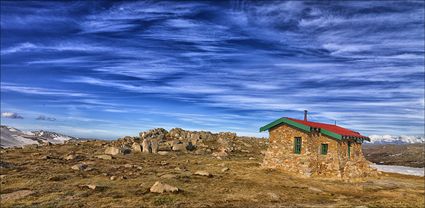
x=46 y=157
x=251 y=158
x=93 y=187
x=128 y=166
x=273 y=197
x=105 y=157
x=159 y=187
x=136 y=147
x=81 y=166
x=225 y=169
x=70 y=157
x=15 y=195
x=203 y=173
x=162 y=152
x=163 y=163
x=113 y=178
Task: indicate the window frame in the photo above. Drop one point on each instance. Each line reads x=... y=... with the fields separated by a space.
x=324 y=147
x=298 y=145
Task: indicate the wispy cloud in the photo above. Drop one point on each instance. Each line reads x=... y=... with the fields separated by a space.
x=8 y=87
x=360 y=63
x=11 y=115
x=45 y=118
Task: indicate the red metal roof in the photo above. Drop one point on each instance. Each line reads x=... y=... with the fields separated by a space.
x=329 y=127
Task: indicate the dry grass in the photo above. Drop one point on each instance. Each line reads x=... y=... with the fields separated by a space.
x=246 y=184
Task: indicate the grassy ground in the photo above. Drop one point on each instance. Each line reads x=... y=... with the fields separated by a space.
x=245 y=184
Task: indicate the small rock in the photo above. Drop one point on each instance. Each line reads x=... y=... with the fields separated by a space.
x=162 y=153
x=128 y=166
x=105 y=157
x=92 y=186
x=71 y=157
x=159 y=187
x=81 y=166
x=46 y=157
x=251 y=158
x=273 y=197
x=203 y=173
x=225 y=169
x=163 y=163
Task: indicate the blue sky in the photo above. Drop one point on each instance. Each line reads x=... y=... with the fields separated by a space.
x=107 y=69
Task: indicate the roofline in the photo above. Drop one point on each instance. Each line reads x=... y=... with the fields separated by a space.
x=306 y=128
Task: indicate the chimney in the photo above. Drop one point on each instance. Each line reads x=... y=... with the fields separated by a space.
x=305 y=115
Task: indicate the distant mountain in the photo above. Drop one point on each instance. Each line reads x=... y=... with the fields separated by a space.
x=12 y=137
x=389 y=139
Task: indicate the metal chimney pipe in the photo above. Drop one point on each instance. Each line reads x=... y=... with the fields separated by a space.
x=305 y=115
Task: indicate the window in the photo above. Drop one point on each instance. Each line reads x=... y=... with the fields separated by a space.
x=324 y=149
x=349 y=150
x=297 y=145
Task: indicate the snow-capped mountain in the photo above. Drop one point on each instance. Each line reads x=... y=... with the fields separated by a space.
x=390 y=139
x=12 y=137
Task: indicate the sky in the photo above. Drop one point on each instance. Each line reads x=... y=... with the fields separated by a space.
x=103 y=69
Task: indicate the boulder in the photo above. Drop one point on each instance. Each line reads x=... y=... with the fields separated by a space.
x=145 y=146
x=159 y=187
x=179 y=147
x=136 y=147
x=154 y=146
x=112 y=151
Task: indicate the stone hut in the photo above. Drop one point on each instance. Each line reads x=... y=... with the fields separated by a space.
x=315 y=149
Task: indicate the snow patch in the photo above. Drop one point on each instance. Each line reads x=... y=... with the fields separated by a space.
x=390 y=139
x=400 y=169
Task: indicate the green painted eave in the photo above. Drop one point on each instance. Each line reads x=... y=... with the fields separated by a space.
x=331 y=134
x=285 y=121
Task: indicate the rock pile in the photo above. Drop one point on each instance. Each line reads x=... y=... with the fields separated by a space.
x=161 y=141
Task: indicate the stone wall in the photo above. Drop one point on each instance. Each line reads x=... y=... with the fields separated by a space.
x=311 y=162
